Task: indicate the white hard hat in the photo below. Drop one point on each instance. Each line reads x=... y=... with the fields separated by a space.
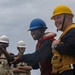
x=21 y=44
x=4 y=39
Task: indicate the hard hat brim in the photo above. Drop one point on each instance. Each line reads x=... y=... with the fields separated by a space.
x=36 y=28
x=22 y=46
x=52 y=18
x=4 y=41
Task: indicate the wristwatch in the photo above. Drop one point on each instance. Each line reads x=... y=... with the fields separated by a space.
x=55 y=46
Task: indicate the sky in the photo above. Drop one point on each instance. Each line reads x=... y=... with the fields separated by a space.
x=16 y=15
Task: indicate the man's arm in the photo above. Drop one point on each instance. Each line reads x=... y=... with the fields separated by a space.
x=9 y=56
x=34 y=65
x=44 y=52
x=69 y=46
x=20 y=70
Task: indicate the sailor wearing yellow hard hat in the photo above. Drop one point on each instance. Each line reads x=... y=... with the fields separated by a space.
x=63 y=60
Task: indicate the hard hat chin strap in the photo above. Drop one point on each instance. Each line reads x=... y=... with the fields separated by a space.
x=62 y=23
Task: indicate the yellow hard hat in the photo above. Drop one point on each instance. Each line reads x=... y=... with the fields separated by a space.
x=62 y=9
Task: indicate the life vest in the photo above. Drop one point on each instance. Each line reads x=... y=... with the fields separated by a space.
x=5 y=69
x=59 y=62
x=46 y=67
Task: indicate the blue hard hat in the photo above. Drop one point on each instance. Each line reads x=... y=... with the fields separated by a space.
x=37 y=23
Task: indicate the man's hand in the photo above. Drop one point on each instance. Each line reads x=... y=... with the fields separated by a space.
x=1 y=47
x=17 y=60
x=55 y=42
x=4 y=51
